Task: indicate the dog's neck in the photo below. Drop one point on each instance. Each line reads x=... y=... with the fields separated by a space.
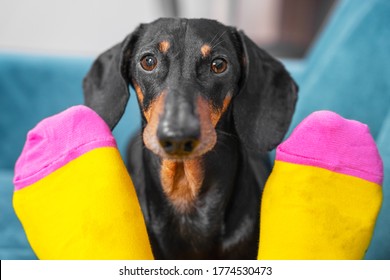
x=181 y=181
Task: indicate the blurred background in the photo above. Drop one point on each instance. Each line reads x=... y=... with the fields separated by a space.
x=284 y=27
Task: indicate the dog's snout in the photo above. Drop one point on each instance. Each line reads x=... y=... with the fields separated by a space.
x=178 y=131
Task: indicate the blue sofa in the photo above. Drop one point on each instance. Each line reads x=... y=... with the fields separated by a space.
x=346 y=71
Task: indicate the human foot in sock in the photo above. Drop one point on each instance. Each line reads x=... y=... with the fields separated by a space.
x=73 y=194
x=324 y=194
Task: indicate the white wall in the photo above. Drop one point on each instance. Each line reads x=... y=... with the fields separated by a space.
x=91 y=26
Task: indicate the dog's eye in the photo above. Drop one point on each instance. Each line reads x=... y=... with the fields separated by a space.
x=148 y=62
x=219 y=65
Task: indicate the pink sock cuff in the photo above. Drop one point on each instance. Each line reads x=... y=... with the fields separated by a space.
x=57 y=140
x=325 y=139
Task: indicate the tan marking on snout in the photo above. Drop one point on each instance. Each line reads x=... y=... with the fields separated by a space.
x=205 y=50
x=152 y=116
x=139 y=92
x=164 y=46
x=216 y=115
x=208 y=135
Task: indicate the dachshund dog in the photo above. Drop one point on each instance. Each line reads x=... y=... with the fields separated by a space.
x=213 y=104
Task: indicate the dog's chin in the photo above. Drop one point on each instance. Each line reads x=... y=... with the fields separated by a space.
x=199 y=152
x=178 y=157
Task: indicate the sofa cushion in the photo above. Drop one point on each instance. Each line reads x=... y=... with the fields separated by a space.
x=33 y=87
x=380 y=244
x=348 y=69
x=13 y=241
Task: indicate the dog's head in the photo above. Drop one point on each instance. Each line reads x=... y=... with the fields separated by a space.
x=187 y=74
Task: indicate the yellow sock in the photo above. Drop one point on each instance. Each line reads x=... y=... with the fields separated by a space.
x=324 y=194
x=73 y=194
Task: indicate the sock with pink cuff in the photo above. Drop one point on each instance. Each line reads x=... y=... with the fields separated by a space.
x=73 y=194
x=324 y=194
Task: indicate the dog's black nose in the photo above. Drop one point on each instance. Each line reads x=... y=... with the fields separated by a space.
x=179 y=140
x=179 y=146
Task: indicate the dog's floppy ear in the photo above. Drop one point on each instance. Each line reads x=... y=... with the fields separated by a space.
x=264 y=106
x=106 y=84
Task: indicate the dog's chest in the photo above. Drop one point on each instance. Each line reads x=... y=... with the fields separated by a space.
x=188 y=236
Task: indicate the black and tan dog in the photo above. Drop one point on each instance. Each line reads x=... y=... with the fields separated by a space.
x=212 y=104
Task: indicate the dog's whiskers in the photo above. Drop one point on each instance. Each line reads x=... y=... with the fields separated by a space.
x=176 y=55
x=224 y=133
x=212 y=40
x=213 y=46
x=218 y=43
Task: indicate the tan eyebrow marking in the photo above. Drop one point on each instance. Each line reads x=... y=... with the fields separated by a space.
x=164 y=46
x=205 y=50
